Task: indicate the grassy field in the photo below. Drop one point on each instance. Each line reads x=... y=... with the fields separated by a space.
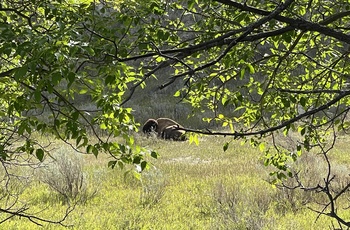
x=190 y=187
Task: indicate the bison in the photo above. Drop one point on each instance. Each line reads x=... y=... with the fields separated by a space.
x=172 y=133
x=165 y=128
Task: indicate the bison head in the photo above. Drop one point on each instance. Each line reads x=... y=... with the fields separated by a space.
x=150 y=126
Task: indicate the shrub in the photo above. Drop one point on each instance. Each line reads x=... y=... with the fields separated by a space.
x=243 y=205
x=153 y=187
x=65 y=176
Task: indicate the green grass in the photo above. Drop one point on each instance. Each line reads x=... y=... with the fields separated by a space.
x=190 y=187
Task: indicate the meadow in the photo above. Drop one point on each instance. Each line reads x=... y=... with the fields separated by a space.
x=188 y=187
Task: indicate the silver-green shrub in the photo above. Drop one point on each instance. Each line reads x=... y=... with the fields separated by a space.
x=65 y=176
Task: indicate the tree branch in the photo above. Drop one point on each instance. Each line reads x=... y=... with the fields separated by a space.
x=300 y=24
x=35 y=219
x=191 y=50
x=341 y=95
x=7 y=73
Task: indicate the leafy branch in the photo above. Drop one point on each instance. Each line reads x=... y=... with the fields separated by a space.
x=341 y=95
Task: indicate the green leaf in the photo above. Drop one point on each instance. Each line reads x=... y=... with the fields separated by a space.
x=225 y=101
x=89 y=148
x=110 y=79
x=90 y=50
x=3 y=153
x=262 y=147
x=137 y=175
x=83 y=91
x=226 y=146
x=112 y=164
x=37 y=95
x=281 y=176
x=231 y=127
x=286 y=37
x=303 y=101
x=144 y=165
x=95 y=151
x=39 y=154
x=20 y=72
x=177 y=93
x=75 y=115
x=190 y=4
x=194 y=138
x=299 y=150
x=79 y=139
x=103 y=126
x=71 y=78
x=136 y=160
x=160 y=34
x=251 y=68
x=154 y=154
x=242 y=73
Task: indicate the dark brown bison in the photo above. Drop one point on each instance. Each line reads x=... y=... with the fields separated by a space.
x=159 y=125
x=172 y=133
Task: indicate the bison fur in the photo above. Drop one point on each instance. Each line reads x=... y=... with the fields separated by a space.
x=158 y=125
x=173 y=133
x=164 y=127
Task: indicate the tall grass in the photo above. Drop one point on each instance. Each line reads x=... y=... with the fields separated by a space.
x=189 y=187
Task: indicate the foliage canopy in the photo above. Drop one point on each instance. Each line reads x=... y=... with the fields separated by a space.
x=260 y=67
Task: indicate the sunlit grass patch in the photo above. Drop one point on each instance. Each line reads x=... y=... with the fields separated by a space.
x=187 y=187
